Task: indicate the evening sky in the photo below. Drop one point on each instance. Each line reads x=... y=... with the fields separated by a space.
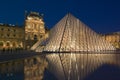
x=103 y=16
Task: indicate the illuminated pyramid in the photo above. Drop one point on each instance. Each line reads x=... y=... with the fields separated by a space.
x=72 y=50
x=70 y=34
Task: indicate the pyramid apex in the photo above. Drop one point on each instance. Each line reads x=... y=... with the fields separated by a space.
x=69 y=14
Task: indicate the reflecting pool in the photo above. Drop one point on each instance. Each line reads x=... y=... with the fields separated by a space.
x=64 y=66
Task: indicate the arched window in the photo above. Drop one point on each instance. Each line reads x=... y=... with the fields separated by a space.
x=35 y=61
x=35 y=37
x=1 y=43
x=8 y=44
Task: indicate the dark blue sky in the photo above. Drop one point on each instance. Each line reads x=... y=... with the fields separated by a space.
x=103 y=16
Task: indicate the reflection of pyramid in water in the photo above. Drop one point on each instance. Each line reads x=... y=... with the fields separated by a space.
x=70 y=34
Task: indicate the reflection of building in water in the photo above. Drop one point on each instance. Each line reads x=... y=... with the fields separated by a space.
x=113 y=38
x=23 y=69
x=12 y=70
x=34 y=68
x=12 y=37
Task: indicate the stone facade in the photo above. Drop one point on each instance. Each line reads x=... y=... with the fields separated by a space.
x=34 y=29
x=11 y=37
x=113 y=38
x=16 y=37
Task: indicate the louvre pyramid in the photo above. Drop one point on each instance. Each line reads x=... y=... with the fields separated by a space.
x=70 y=34
x=66 y=38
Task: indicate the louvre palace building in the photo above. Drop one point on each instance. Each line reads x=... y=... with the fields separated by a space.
x=22 y=37
x=33 y=30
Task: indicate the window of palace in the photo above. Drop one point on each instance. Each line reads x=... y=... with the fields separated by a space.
x=14 y=44
x=1 y=35
x=8 y=35
x=34 y=61
x=19 y=46
x=1 y=43
x=8 y=44
x=35 y=37
x=8 y=29
x=14 y=30
x=14 y=35
x=2 y=29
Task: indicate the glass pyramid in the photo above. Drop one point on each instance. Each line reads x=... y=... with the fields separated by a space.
x=70 y=34
x=73 y=50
